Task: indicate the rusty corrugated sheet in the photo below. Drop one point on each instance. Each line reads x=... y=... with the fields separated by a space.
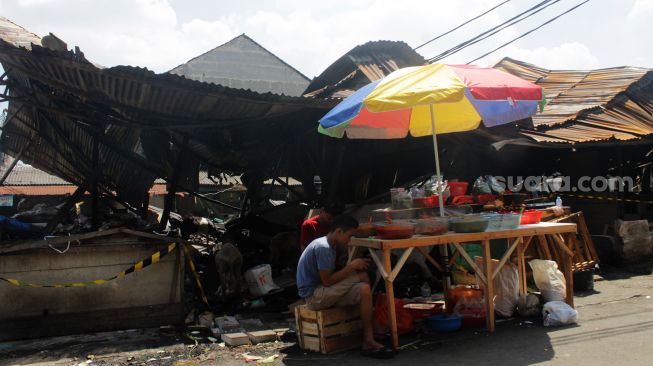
x=589 y=106
x=360 y=66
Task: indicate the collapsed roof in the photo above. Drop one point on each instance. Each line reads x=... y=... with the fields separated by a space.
x=137 y=122
x=613 y=104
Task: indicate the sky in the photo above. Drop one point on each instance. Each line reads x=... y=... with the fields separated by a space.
x=310 y=35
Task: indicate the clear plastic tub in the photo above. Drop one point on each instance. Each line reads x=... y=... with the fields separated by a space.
x=503 y=221
x=432 y=226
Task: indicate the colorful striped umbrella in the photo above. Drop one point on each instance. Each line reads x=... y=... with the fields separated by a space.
x=432 y=99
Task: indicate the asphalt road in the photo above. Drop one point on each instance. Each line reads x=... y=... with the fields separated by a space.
x=615 y=328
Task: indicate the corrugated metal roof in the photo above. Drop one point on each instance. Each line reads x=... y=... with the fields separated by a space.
x=360 y=66
x=587 y=106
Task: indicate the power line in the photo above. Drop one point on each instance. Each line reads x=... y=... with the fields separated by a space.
x=530 y=31
x=458 y=27
x=496 y=29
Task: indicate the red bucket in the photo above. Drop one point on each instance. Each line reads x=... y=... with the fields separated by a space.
x=458 y=188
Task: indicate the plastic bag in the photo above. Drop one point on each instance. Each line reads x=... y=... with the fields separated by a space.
x=259 y=280
x=506 y=287
x=494 y=185
x=404 y=318
x=481 y=187
x=528 y=305
x=636 y=238
x=557 y=313
x=549 y=280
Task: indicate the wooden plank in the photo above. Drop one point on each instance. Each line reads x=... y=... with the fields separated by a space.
x=454 y=258
x=543 y=228
x=489 y=286
x=343 y=328
x=262 y=336
x=561 y=244
x=299 y=327
x=340 y=344
x=310 y=343
x=569 y=277
x=309 y=328
x=337 y=315
x=430 y=259
x=400 y=264
x=379 y=264
x=390 y=292
x=521 y=269
x=506 y=256
x=305 y=313
x=545 y=247
x=527 y=243
x=471 y=262
x=587 y=237
x=235 y=339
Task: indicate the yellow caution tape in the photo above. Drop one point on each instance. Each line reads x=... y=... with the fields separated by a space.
x=154 y=258
x=196 y=275
x=586 y=196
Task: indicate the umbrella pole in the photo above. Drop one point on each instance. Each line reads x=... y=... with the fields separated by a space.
x=444 y=252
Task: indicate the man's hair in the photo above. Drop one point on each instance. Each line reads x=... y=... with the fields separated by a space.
x=345 y=222
x=334 y=208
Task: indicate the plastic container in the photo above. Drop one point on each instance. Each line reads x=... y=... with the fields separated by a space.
x=531 y=217
x=445 y=322
x=503 y=221
x=432 y=226
x=431 y=201
x=400 y=198
x=396 y=230
x=385 y=215
x=458 y=188
x=421 y=311
x=469 y=224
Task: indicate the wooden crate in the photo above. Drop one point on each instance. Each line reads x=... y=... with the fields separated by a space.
x=329 y=331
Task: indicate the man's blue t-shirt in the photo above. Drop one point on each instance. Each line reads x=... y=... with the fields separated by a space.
x=317 y=256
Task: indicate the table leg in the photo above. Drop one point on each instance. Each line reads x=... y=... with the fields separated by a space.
x=390 y=294
x=521 y=269
x=352 y=253
x=569 y=273
x=489 y=286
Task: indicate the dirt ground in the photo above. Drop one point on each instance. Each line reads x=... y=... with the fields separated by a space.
x=615 y=327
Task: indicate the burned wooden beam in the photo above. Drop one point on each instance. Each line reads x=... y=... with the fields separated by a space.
x=172 y=189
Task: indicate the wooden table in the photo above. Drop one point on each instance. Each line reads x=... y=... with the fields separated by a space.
x=519 y=240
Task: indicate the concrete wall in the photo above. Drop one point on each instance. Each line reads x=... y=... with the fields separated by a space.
x=158 y=287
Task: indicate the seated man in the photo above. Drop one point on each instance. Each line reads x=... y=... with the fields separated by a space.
x=322 y=287
x=318 y=225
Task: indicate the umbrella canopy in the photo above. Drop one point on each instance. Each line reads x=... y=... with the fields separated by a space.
x=461 y=96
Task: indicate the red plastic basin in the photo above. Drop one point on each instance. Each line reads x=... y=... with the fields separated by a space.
x=531 y=217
